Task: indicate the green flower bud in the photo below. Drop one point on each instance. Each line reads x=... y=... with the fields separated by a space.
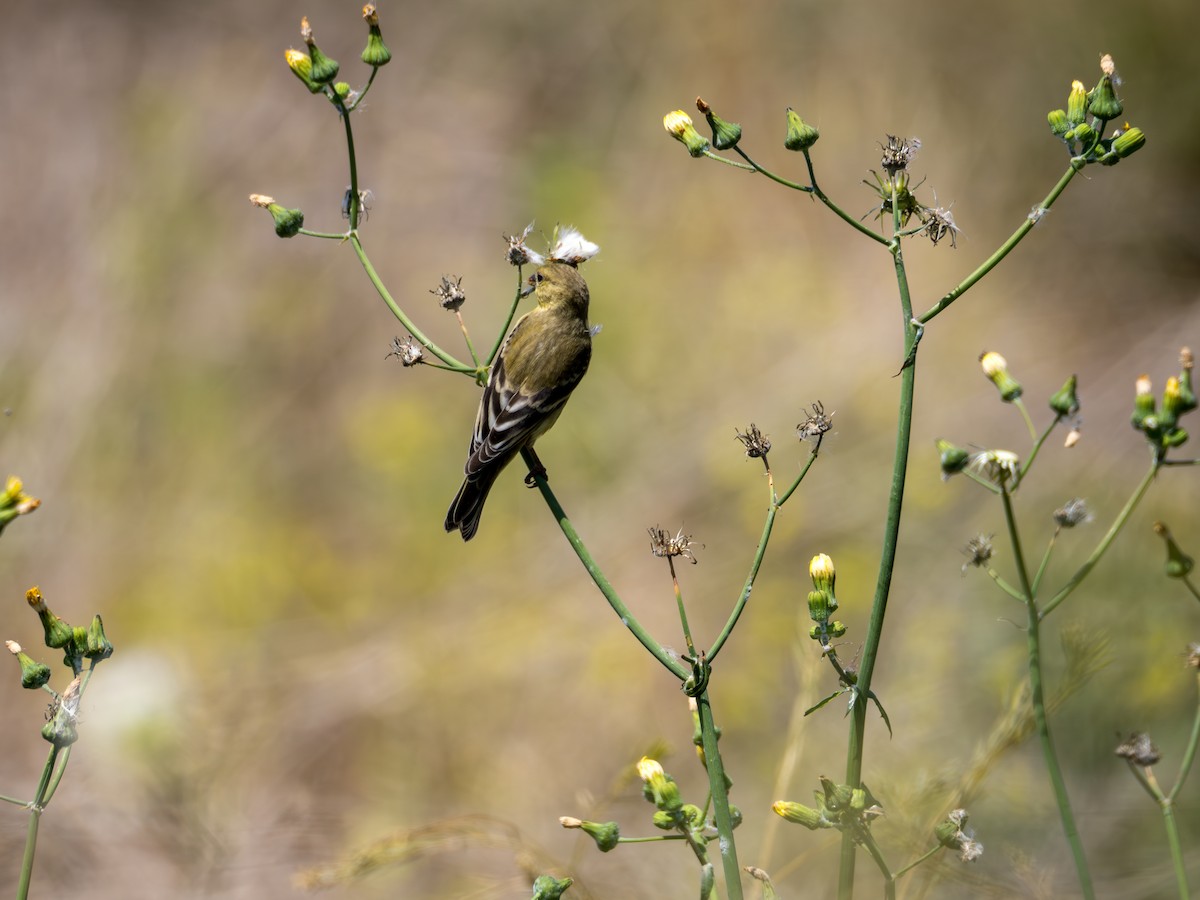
x=800 y=136
x=376 y=53
x=1143 y=405
x=33 y=674
x=1076 y=104
x=58 y=633
x=708 y=881
x=954 y=458
x=659 y=788
x=821 y=605
x=546 y=887
x=725 y=134
x=666 y=820
x=823 y=574
x=1058 y=122
x=735 y=816
x=1065 y=402
x=301 y=66
x=324 y=69
x=801 y=815
x=97 y=644
x=1128 y=142
x=1176 y=437
x=837 y=796
x=1103 y=102
x=679 y=126
x=606 y=834
x=288 y=222
x=342 y=89
x=1084 y=133
x=1178 y=564
x=948 y=834
x=995 y=367
x=836 y=629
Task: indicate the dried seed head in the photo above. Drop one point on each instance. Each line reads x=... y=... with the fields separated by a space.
x=898 y=153
x=756 y=443
x=450 y=293
x=667 y=546
x=1138 y=749
x=408 y=350
x=1073 y=512
x=978 y=551
x=815 y=424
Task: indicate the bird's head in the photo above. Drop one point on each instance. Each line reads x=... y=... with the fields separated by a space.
x=558 y=284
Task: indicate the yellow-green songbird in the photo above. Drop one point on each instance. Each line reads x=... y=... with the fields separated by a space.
x=544 y=357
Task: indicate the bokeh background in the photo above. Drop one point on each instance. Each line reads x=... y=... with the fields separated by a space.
x=251 y=494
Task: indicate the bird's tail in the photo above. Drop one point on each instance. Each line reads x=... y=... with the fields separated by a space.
x=467 y=506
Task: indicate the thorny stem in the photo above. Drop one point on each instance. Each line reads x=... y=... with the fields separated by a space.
x=760 y=551
x=1091 y=561
x=673 y=665
x=992 y=261
x=887 y=559
x=1038 y=702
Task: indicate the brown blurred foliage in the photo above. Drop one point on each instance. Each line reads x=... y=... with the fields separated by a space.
x=252 y=495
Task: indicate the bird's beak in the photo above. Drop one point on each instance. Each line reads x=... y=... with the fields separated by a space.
x=528 y=289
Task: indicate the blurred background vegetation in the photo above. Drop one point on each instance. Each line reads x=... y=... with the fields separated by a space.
x=252 y=495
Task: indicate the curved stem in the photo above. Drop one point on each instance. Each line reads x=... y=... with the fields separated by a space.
x=1038 y=702
x=673 y=665
x=366 y=87
x=729 y=162
x=759 y=552
x=1091 y=561
x=845 y=216
x=889 y=880
x=1020 y=405
x=916 y=862
x=795 y=186
x=1189 y=755
x=512 y=311
x=992 y=261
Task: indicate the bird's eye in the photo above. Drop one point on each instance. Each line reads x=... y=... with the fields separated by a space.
x=539 y=277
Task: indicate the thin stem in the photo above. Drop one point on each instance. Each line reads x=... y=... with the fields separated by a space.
x=1091 y=561
x=887 y=560
x=683 y=621
x=1005 y=586
x=366 y=87
x=627 y=618
x=13 y=800
x=720 y=798
x=1020 y=405
x=31 y=833
x=412 y=329
x=736 y=613
x=916 y=862
x=1038 y=702
x=327 y=235
x=651 y=839
x=842 y=214
x=1037 y=579
x=1189 y=754
x=467 y=338
x=1168 y=814
x=889 y=880
x=795 y=186
x=1187 y=582
x=729 y=162
x=992 y=261
x=1037 y=444
x=512 y=311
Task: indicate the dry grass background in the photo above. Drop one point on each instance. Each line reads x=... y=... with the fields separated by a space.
x=234 y=475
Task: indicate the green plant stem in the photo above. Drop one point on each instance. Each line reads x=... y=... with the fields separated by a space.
x=670 y=662
x=1020 y=405
x=467 y=337
x=652 y=839
x=729 y=162
x=795 y=186
x=889 y=880
x=720 y=799
x=759 y=552
x=16 y=801
x=845 y=216
x=1189 y=754
x=1168 y=814
x=512 y=311
x=1037 y=444
x=992 y=261
x=683 y=621
x=1187 y=582
x=31 y=834
x=916 y=862
x=887 y=559
x=1038 y=702
x=363 y=93
x=1005 y=586
x=1037 y=579
x=1107 y=540
x=327 y=235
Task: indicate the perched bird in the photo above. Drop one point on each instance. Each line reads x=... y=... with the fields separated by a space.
x=541 y=362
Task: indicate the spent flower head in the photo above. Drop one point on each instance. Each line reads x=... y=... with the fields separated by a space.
x=815 y=424
x=954 y=834
x=997 y=466
x=756 y=443
x=1073 y=512
x=1138 y=749
x=518 y=254
x=898 y=153
x=978 y=551
x=408 y=350
x=939 y=224
x=571 y=247
x=450 y=293
x=667 y=546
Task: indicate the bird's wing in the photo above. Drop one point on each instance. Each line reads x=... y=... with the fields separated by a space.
x=510 y=418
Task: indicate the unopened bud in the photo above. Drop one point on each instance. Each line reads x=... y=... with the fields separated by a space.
x=1178 y=563
x=376 y=53
x=606 y=834
x=1143 y=404
x=58 y=633
x=801 y=814
x=324 y=69
x=1065 y=402
x=33 y=674
x=954 y=458
x=1128 y=142
x=725 y=134
x=547 y=887
x=1058 y=122
x=97 y=646
x=301 y=65
x=1076 y=104
x=1102 y=101
x=800 y=135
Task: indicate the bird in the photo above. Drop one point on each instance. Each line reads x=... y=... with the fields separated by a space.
x=543 y=359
